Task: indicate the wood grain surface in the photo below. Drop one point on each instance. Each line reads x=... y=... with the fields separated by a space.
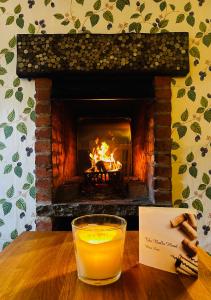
x=41 y=265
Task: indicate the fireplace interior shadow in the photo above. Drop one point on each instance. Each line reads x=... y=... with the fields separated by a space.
x=64 y=223
x=102 y=139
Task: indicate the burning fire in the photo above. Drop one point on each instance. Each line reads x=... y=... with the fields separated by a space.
x=102 y=158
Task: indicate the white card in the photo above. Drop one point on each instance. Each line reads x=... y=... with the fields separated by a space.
x=168 y=239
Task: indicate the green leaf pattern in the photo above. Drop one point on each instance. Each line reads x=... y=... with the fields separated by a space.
x=191 y=96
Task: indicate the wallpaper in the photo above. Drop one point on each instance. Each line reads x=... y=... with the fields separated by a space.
x=191 y=97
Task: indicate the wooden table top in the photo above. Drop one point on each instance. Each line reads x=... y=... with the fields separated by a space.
x=41 y=265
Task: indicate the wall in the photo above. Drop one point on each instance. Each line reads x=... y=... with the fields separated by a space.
x=191 y=99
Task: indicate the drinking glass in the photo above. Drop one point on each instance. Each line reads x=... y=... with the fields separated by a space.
x=99 y=245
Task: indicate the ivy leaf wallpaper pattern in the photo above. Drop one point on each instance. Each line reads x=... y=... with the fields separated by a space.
x=191 y=97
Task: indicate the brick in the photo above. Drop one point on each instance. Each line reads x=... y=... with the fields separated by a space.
x=43 y=133
x=162 y=81
x=43 y=120
x=55 y=171
x=43 y=96
x=44 y=183
x=163 y=94
x=162 y=131
x=163 y=196
x=43 y=90
x=164 y=106
x=43 y=196
x=43 y=108
x=163 y=171
x=43 y=172
x=163 y=144
x=164 y=184
x=163 y=158
x=43 y=160
x=43 y=146
x=163 y=119
x=43 y=224
x=43 y=83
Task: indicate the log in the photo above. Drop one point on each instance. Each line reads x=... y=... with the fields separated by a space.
x=101 y=166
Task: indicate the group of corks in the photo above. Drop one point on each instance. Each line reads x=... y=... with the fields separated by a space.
x=187 y=223
x=187 y=266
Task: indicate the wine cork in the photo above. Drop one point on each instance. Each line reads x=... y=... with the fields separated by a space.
x=178 y=220
x=189 y=247
x=189 y=230
x=192 y=220
x=182 y=271
x=186 y=266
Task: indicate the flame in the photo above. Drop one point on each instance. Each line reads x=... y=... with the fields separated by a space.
x=102 y=158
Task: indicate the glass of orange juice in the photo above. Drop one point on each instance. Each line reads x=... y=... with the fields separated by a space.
x=99 y=245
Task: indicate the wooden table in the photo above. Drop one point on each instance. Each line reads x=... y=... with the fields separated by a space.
x=41 y=265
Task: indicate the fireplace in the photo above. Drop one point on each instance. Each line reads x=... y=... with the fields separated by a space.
x=135 y=131
x=103 y=126
x=102 y=148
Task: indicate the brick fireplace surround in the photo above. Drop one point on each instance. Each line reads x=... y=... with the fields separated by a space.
x=44 y=176
x=49 y=58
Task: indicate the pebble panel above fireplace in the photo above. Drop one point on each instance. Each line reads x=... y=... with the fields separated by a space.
x=50 y=54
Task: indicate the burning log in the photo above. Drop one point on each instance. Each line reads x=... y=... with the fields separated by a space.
x=101 y=166
x=102 y=158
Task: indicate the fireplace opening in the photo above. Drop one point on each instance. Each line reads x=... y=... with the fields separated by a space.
x=71 y=126
x=103 y=148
